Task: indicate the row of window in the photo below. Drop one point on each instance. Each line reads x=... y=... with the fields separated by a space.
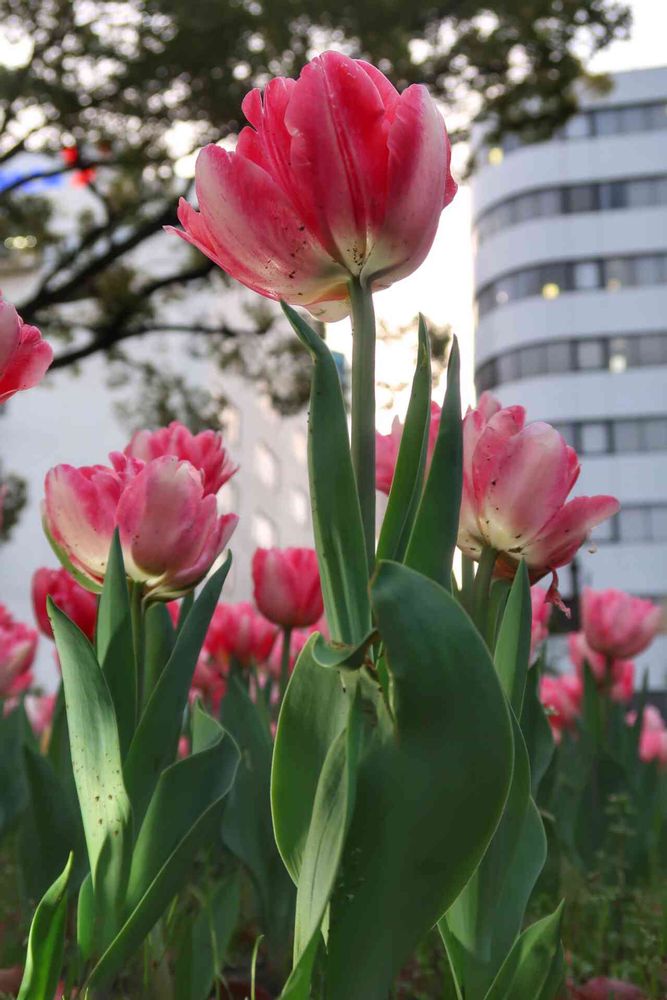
x=555 y=357
x=621 y=120
x=634 y=523
x=643 y=192
x=550 y=279
x=604 y=437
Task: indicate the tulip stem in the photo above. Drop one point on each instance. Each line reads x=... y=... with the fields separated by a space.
x=481 y=586
x=285 y=661
x=363 y=407
x=136 y=613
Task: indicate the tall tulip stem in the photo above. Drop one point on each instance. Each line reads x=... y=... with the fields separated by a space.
x=138 y=639
x=481 y=586
x=363 y=407
x=284 y=661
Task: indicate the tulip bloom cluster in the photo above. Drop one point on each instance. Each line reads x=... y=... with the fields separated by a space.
x=24 y=355
x=166 y=515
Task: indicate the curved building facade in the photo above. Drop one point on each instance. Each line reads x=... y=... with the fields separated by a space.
x=571 y=301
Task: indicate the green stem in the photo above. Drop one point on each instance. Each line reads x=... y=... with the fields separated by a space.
x=363 y=407
x=480 y=594
x=137 y=615
x=285 y=661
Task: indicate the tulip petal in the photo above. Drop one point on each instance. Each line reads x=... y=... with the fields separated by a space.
x=80 y=511
x=27 y=365
x=561 y=538
x=10 y=333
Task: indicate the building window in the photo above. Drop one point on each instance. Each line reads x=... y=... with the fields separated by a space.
x=554 y=277
x=299 y=506
x=264 y=531
x=594 y=438
x=639 y=192
x=266 y=465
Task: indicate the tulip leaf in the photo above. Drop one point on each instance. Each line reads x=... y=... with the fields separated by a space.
x=96 y=762
x=246 y=826
x=46 y=941
x=207 y=941
x=512 y=652
x=339 y=656
x=113 y=640
x=314 y=712
x=160 y=638
x=50 y=828
x=435 y=531
x=417 y=833
x=534 y=967
x=337 y=524
x=480 y=928
x=332 y=812
x=408 y=481
x=182 y=816
x=13 y=782
x=156 y=738
x=297 y=986
x=536 y=730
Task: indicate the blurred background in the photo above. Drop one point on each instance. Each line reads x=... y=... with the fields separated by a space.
x=550 y=265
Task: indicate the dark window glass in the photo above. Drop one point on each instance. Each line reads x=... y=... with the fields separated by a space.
x=655 y=434
x=581 y=198
x=508 y=367
x=627 y=435
x=569 y=432
x=618 y=273
x=605 y=532
x=612 y=195
x=606 y=121
x=532 y=361
x=633 y=119
x=656 y=116
x=649 y=270
x=590 y=354
x=594 y=438
x=639 y=194
x=658 y=523
x=633 y=524
x=558 y=357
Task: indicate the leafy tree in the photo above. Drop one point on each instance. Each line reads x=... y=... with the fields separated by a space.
x=114 y=90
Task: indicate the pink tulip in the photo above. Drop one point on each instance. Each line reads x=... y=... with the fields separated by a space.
x=208 y=685
x=653 y=736
x=170 y=531
x=617 y=624
x=18 y=644
x=24 y=355
x=78 y=604
x=298 y=640
x=540 y=615
x=615 y=677
x=603 y=988
x=338 y=176
x=516 y=480
x=239 y=632
x=562 y=696
x=40 y=709
x=387 y=446
x=205 y=451
x=287 y=586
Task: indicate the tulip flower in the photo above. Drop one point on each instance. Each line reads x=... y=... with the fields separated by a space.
x=613 y=676
x=516 y=480
x=205 y=451
x=541 y=613
x=169 y=530
x=562 y=696
x=616 y=624
x=338 y=176
x=604 y=988
x=40 y=709
x=387 y=446
x=238 y=632
x=24 y=355
x=287 y=586
x=78 y=604
x=18 y=644
x=208 y=685
x=653 y=737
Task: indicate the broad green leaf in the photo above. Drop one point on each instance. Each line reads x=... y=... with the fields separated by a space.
x=14 y=728
x=534 y=966
x=512 y=652
x=408 y=481
x=332 y=812
x=183 y=815
x=46 y=941
x=314 y=711
x=96 y=762
x=339 y=536
x=297 y=986
x=85 y=918
x=246 y=826
x=203 y=955
x=50 y=829
x=479 y=929
x=156 y=739
x=433 y=539
x=113 y=641
x=429 y=794
x=338 y=656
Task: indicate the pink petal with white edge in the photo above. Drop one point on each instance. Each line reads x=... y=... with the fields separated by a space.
x=419 y=154
x=80 y=512
x=28 y=364
x=561 y=538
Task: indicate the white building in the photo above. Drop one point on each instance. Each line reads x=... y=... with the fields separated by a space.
x=571 y=299
x=71 y=418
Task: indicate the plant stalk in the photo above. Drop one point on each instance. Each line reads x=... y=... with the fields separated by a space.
x=362 y=437
x=481 y=586
x=138 y=638
x=285 y=661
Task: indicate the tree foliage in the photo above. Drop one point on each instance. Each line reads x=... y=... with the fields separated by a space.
x=128 y=87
